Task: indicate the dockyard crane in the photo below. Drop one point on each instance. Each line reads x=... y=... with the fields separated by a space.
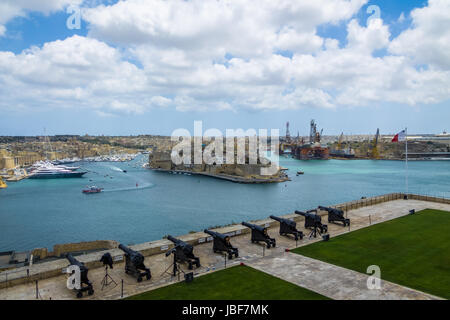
x=341 y=139
x=375 y=152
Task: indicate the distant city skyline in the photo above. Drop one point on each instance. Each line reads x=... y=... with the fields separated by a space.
x=151 y=66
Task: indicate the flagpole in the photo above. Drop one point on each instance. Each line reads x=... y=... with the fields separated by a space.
x=406 y=153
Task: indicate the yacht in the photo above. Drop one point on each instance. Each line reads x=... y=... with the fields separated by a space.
x=47 y=170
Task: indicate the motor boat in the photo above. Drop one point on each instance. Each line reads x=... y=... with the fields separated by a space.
x=92 y=189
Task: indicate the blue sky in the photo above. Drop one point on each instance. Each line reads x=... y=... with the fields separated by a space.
x=125 y=79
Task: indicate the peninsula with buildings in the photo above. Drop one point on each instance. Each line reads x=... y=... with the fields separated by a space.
x=235 y=171
x=17 y=153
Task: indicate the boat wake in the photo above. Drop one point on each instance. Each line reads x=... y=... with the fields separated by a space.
x=138 y=187
x=116 y=168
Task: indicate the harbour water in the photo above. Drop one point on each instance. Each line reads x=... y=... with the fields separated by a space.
x=142 y=205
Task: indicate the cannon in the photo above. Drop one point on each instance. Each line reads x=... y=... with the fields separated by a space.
x=260 y=234
x=134 y=264
x=222 y=244
x=288 y=227
x=314 y=222
x=183 y=252
x=85 y=284
x=336 y=215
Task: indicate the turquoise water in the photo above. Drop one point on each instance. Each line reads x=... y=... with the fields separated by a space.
x=41 y=213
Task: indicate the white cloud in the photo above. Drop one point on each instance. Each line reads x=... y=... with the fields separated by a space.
x=243 y=28
x=223 y=55
x=76 y=72
x=428 y=42
x=10 y=9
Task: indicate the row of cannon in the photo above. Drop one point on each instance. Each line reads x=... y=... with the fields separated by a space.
x=183 y=252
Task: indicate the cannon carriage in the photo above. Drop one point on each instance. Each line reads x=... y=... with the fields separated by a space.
x=183 y=252
x=221 y=243
x=313 y=222
x=288 y=227
x=336 y=215
x=85 y=284
x=134 y=264
x=259 y=234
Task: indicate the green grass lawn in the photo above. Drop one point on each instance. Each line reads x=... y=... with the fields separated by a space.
x=413 y=251
x=235 y=283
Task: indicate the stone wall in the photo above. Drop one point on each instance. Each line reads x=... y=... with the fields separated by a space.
x=60 y=249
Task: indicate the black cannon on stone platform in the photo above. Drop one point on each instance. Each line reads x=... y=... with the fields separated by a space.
x=183 y=252
x=134 y=264
x=288 y=227
x=314 y=222
x=335 y=215
x=84 y=283
x=221 y=243
x=260 y=234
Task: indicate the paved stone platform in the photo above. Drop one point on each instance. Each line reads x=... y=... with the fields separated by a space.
x=340 y=283
x=55 y=287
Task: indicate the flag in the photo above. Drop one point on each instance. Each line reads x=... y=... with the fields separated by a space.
x=401 y=136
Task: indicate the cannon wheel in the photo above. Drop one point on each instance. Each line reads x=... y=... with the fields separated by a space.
x=268 y=246
x=79 y=294
x=90 y=292
x=139 y=279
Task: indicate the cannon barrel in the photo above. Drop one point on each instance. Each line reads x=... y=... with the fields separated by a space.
x=336 y=211
x=277 y=218
x=215 y=234
x=249 y=225
x=302 y=213
x=73 y=261
x=255 y=227
x=285 y=221
x=127 y=250
x=282 y=220
x=175 y=240
x=212 y=233
x=181 y=244
x=307 y=214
